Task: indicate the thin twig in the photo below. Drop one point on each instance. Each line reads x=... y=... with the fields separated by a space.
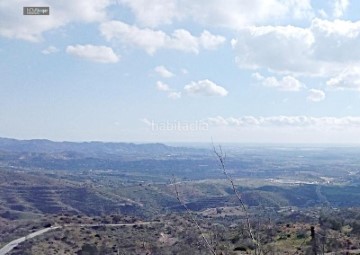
x=210 y=248
x=222 y=157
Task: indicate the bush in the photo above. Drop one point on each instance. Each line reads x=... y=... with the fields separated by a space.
x=88 y=249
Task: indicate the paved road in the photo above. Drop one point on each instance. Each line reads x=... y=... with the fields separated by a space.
x=108 y=225
x=7 y=248
x=10 y=246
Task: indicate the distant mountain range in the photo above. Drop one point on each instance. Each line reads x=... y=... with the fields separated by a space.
x=95 y=148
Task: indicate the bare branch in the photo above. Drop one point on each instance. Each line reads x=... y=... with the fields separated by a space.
x=222 y=157
x=210 y=248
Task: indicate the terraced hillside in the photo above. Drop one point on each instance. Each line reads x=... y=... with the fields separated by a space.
x=24 y=194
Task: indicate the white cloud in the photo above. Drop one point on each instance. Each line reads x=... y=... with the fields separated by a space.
x=323 y=14
x=335 y=42
x=323 y=49
x=163 y=72
x=31 y=28
x=174 y=95
x=286 y=83
x=101 y=54
x=153 y=40
x=287 y=121
x=147 y=39
x=162 y=86
x=258 y=76
x=209 y=41
x=49 y=50
x=348 y=79
x=234 y=14
x=276 y=48
x=299 y=9
x=153 y=13
x=182 y=40
x=205 y=88
x=340 y=7
x=316 y=95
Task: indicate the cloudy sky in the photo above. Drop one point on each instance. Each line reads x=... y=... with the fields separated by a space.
x=262 y=71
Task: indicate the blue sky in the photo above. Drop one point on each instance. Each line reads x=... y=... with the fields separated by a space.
x=274 y=71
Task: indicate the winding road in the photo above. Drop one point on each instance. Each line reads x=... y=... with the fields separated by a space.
x=10 y=246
